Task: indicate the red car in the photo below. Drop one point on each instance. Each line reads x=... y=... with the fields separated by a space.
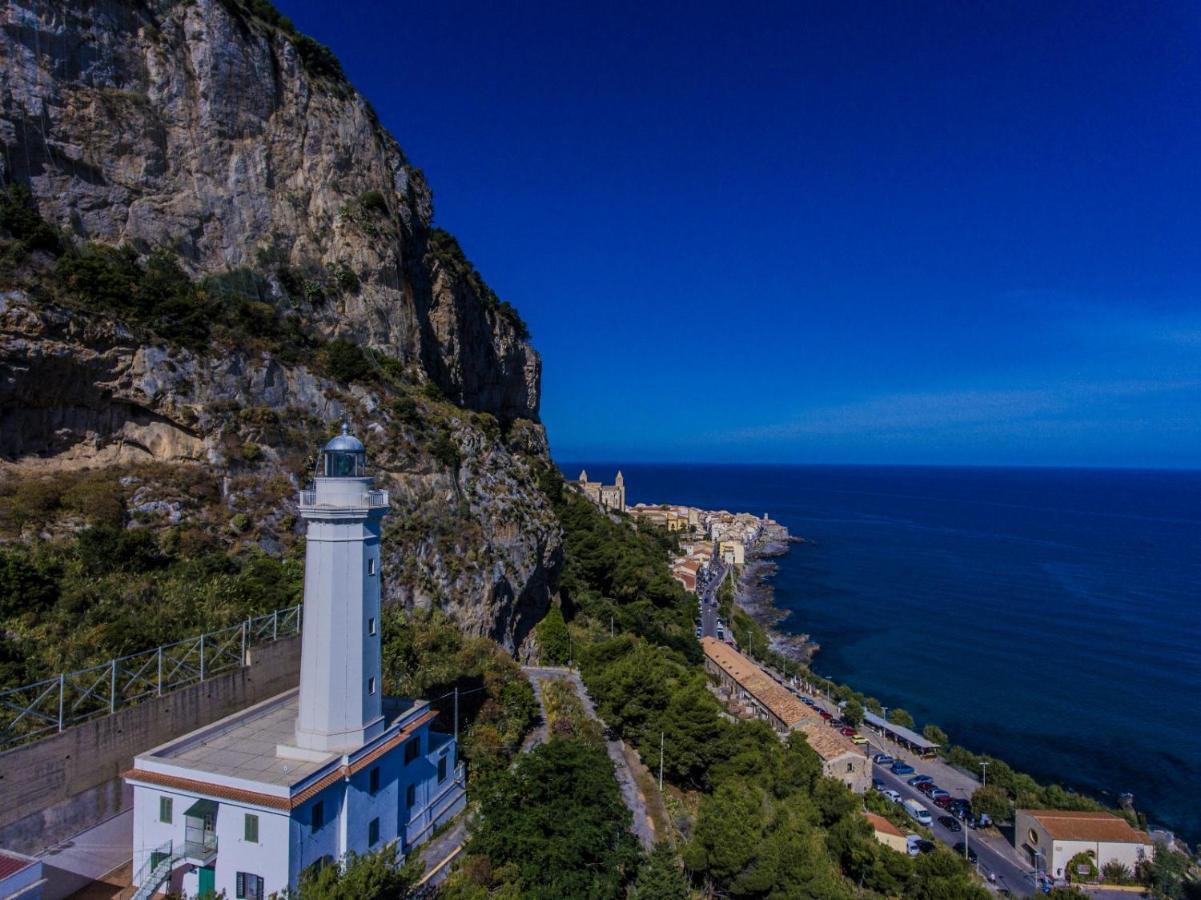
x=825 y=715
x=943 y=802
x=848 y=732
x=927 y=787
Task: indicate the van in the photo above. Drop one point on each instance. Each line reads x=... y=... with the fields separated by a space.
x=917 y=812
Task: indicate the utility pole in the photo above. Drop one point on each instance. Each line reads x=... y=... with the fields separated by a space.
x=984 y=772
x=456 y=721
x=660 y=762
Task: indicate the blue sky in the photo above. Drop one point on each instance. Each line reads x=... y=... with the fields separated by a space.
x=932 y=233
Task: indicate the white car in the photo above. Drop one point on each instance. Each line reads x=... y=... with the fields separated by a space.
x=892 y=795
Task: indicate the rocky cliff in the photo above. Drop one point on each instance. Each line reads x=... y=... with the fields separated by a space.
x=221 y=254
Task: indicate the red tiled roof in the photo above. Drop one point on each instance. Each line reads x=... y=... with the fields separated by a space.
x=882 y=825
x=11 y=864
x=1087 y=825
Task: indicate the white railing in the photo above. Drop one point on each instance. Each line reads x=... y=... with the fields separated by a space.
x=370 y=499
x=37 y=710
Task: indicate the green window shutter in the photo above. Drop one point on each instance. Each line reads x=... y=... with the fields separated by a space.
x=164 y=809
x=251 y=831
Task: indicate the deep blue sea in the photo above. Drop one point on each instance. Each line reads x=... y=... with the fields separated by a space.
x=1050 y=617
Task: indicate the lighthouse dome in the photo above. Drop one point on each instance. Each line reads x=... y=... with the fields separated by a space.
x=344 y=456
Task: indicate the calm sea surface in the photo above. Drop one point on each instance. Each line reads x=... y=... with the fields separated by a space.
x=1050 y=617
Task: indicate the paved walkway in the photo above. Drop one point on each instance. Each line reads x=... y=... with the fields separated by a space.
x=88 y=856
x=630 y=793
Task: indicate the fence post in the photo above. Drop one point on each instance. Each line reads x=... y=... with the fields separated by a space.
x=62 y=697
x=160 y=670
x=245 y=625
x=275 y=625
x=112 y=689
x=202 y=657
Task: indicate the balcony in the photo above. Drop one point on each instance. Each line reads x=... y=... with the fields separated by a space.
x=363 y=500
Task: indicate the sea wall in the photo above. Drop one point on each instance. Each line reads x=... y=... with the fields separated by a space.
x=59 y=786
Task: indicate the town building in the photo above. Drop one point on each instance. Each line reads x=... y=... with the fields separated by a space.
x=606 y=496
x=744 y=682
x=1051 y=838
x=244 y=805
x=887 y=833
x=21 y=876
x=732 y=552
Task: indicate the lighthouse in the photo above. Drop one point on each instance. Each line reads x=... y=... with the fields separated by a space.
x=244 y=804
x=340 y=691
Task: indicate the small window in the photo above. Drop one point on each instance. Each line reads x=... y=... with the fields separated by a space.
x=318 y=814
x=164 y=809
x=373 y=781
x=250 y=829
x=371 y=685
x=248 y=887
x=441 y=769
x=371 y=625
x=850 y=767
x=411 y=796
x=371 y=566
x=412 y=749
x=373 y=832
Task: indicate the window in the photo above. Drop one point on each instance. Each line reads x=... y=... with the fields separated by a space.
x=411 y=796
x=248 y=887
x=371 y=625
x=250 y=829
x=371 y=685
x=412 y=749
x=371 y=566
x=164 y=809
x=318 y=817
x=441 y=769
x=850 y=767
x=373 y=781
x=373 y=832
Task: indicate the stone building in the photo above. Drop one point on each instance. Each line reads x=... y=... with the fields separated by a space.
x=243 y=806
x=744 y=681
x=606 y=496
x=1051 y=838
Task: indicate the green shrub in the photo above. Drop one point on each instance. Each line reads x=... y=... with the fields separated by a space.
x=346 y=361
x=20 y=218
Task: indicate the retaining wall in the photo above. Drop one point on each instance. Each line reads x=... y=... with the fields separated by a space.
x=61 y=785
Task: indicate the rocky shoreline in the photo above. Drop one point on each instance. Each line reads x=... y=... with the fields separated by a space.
x=756 y=596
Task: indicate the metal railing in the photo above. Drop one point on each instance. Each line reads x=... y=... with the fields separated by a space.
x=371 y=499
x=35 y=711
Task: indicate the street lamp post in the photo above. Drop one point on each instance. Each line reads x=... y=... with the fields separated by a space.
x=984 y=773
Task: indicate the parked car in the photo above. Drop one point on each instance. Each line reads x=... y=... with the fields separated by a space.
x=943 y=802
x=825 y=715
x=877 y=784
x=911 y=843
x=859 y=740
x=848 y=732
x=950 y=823
x=901 y=768
x=936 y=792
x=925 y=846
x=917 y=812
x=958 y=806
x=883 y=759
x=891 y=795
x=971 y=854
x=920 y=779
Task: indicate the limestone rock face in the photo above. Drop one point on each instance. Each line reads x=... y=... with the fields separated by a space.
x=200 y=127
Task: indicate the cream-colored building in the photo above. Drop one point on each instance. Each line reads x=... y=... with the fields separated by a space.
x=606 y=496
x=732 y=552
x=887 y=833
x=745 y=683
x=1050 y=838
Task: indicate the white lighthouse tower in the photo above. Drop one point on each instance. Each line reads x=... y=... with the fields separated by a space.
x=340 y=692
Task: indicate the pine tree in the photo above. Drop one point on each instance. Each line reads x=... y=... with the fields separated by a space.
x=661 y=877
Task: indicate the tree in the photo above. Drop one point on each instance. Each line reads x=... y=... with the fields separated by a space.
x=933 y=733
x=900 y=717
x=660 y=877
x=373 y=876
x=553 y=640
x=852 y=713
x=558 y=820
x=993 y=802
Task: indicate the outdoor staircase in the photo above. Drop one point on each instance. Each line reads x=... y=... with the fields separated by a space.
x=155 y=871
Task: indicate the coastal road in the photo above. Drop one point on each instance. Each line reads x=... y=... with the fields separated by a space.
x=707 y=598
x=996 y=856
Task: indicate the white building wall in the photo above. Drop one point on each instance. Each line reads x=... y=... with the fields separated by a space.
x=268 y=858
x=1130 y=855
x=148 y=832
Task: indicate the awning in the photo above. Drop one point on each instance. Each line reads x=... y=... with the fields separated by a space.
x=201 y=808
x=904 y=734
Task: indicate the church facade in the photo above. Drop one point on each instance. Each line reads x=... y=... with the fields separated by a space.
x=606 y=496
